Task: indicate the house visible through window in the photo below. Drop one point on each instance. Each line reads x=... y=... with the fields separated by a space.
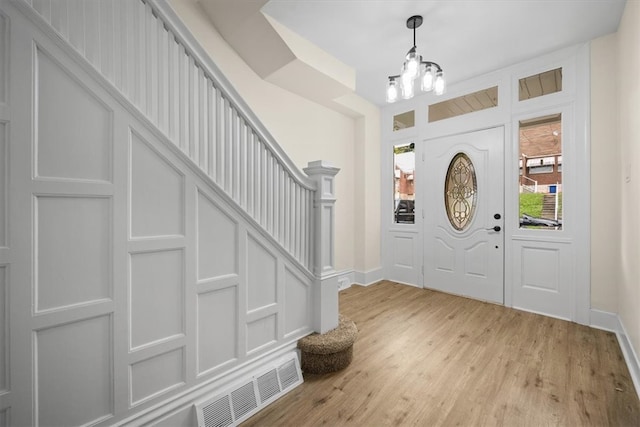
x=540 y=180
x=404 y=166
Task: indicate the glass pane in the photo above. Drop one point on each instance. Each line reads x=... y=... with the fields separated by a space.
x=540 y=84
x=404 y=120
x=476 y=101
x=540 y=180
x=460 y=191
x=404 y=166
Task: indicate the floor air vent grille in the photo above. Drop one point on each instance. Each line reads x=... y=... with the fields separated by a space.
x=268 y=385
x=289 y=374
x=217 y=413
x=249 y=396
x=243 y=400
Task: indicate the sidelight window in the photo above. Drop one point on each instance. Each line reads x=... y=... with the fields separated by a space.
x=540 y=178
x=404 y=167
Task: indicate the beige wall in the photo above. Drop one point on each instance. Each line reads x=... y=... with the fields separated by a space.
x=307 y=131
x=627 y=174
x=605 y=180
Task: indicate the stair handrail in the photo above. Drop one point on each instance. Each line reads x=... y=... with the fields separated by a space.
x=162 y=75
x=164 y=10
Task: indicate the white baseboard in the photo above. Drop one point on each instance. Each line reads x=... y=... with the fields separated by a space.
x=604 y=320
x=370 y=277
x=185 y=400
x=630 y=356
x=612 y=322
x=346 y=278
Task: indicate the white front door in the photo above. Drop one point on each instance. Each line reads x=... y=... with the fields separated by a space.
x=464 y=211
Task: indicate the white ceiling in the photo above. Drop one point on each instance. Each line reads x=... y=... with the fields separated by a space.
x=466 y=37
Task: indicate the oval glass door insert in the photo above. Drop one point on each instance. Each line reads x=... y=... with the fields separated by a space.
x=460 y=191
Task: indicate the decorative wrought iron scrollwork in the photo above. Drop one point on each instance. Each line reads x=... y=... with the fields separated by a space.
x=460 y=191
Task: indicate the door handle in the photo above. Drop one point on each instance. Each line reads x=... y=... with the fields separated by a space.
x=495 y=228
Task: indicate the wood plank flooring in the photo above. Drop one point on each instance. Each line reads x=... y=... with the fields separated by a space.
x=427 y=358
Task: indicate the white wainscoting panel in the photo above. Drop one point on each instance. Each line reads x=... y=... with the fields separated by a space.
x=261 y=332
x=74 y=141
x=157 y=193
x=297 y=304
x=74 y=365
x=157 y=375
x=541 y=269
x=403 y=254
x=217 y=328
x=261 y=274
x=73 y=241
x=4 y=57
x=157 y=296
x=4 y=152
x=148 y=262
x=4 y=326
x=213 y=227
x=404 y=262
x=542 y=284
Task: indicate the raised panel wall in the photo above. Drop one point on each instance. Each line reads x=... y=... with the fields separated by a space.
x=74 y=251
x=261 y=274
x=3 y=330
x=214 y=226
x=297 y=305
x=74 y=372
x=157 y=193
x=261 y=332
x=3 y=183
x=4 y=48
x=217 y=328
x=157 y=296
x=540 y=279
x=74 y=127
x=139 y=279
x=157 y=375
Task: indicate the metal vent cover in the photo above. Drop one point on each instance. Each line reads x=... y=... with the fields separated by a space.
x=268 y=385
x=248 y=396
x=243 y=400
x=217 y=413
x=289 y=374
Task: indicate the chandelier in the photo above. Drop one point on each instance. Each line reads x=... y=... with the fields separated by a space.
x=414 y=70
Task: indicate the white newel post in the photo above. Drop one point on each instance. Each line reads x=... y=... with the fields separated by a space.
x=325 y=288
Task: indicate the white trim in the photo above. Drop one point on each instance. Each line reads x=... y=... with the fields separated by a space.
x=366 y=278
x=186 y=399
x=611 y=322
x=346 y=278
x=171 y=19
x=604 y=320
x=630 y=356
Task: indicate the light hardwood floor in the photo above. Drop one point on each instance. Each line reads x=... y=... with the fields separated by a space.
x=427 y=358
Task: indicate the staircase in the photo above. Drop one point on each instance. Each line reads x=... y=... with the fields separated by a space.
x=166 y=245
x=549 y=207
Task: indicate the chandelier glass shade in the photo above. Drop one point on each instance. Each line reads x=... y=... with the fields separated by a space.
x=415 y=73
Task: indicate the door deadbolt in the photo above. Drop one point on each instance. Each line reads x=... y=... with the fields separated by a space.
x=497 y=216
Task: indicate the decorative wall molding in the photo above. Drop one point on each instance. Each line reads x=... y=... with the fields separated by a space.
x=143 y=54
x=169 y=317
